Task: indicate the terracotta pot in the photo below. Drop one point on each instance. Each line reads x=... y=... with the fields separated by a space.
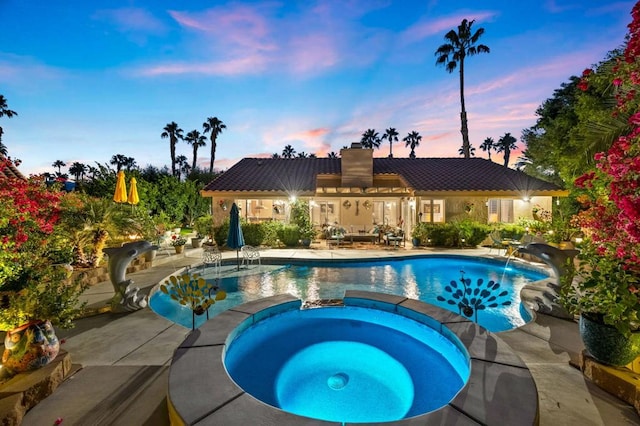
x=179 y=249
x=606 y=344
x=29 y=347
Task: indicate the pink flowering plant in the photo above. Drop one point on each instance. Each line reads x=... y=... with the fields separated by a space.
x=607 y=287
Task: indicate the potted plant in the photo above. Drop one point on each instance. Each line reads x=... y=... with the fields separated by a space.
x=178 y=242
x=28 y=316
x=606 y=290
x=301 y=218
x=204 y=228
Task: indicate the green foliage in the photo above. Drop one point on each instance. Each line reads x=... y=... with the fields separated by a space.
x=301 y=218
x=49 y=296
x=204 y=226
x=451 y=234
x=271 y=231
x=253 y=233
x=604 y=288
x=289 y=235
x=221 y=232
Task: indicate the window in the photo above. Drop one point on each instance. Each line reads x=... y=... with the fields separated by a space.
x=500 y=210
x=432 y=211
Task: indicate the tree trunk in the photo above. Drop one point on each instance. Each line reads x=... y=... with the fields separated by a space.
x=464 y=129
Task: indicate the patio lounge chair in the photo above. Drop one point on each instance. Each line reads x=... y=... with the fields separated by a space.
x=496 y=242
x=249 y=255
x=211 y=256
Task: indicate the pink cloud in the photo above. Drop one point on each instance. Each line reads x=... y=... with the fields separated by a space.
x=245 y=65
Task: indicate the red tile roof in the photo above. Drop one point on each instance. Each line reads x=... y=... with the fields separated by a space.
x=11 y=171
x=422 y=174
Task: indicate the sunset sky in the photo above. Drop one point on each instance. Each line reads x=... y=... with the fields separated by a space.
x=90 y=79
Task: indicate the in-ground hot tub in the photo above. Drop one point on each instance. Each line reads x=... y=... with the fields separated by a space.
x=347 y=364
x=289 y=366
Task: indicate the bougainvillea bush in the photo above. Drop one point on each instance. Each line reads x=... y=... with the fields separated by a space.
x=610 y=195
x=29 y=211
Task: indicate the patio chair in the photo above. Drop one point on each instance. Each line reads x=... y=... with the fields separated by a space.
x=211 y=256
x=249 y=255
x=496 y=241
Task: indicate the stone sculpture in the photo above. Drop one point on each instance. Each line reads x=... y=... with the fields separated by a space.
x=126 y=297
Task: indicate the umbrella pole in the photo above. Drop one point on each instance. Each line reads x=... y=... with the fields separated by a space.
x=238 y=258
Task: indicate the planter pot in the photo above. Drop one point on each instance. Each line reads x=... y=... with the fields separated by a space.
x=196 y=242
x=179 y=249
x=150 y=255
x=29 y=347
x=306 y=242
x=606 y=344
x=415 y=242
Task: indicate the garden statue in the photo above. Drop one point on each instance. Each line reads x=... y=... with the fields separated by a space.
x=126 y=298
x=545 y=297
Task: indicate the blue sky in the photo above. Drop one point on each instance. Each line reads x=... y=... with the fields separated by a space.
x=90 y=79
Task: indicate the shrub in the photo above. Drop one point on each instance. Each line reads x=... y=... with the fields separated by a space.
x=271 y=231
x=253 y=233
x=473 y=232
x=220 y=233
x=289 y=235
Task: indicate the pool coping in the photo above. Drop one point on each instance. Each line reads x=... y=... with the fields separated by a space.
x=500 y=389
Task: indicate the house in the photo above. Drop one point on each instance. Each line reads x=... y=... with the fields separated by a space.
x=9 y=169
x=359 y=191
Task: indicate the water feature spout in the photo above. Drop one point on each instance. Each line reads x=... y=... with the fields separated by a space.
x=545 y=295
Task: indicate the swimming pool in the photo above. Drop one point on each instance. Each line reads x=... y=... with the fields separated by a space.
x=421 y=278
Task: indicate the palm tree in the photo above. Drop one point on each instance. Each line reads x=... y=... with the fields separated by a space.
x=173 y=132
x=183 y=166
x=370 y=139
x=275 y=155
x=129 y=163
x=4 y=111
x=459 y=45
x=506 y=144
x=412 y=140
x=487 y=146
x=118 y=160
x=332 y=154
x=288 y=152
x=59 y=164
x=215 y=126
x=78 y=170
x=472 y=151
x=392 y=136
x=196 y=140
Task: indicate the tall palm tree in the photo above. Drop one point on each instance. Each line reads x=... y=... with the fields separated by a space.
x=275 y=155
x=119 y=161
x=392 y=136
x=506 y=144
x=288 y=152
x=196 y=140
x=183 y=166
x=370 y=139
x=459 y=45
x=487 y=146
x=59 y=164
x=215 y=126
x=4 y=111
x=173 y=132
x=332 y=154
x=77 y=170
x=129 y=163
x=412 y=140
x=472 y=151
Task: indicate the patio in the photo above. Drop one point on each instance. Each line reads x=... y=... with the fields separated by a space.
x=120 y=361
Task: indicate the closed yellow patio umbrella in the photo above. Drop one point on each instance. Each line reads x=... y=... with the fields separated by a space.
x=133 y=198
x=120 y=196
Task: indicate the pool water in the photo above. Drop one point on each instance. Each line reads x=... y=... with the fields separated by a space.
x=347 y=364
x=417 y=278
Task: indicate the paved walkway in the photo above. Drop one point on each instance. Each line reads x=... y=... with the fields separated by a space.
x=121 y=361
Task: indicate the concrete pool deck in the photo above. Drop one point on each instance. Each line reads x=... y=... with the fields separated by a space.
x=121 y=361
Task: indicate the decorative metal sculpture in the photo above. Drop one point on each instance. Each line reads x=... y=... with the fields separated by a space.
x=194 y=292
x=126 y=298
x=470 y=299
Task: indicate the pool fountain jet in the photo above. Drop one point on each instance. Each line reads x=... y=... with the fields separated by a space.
x=543 y=295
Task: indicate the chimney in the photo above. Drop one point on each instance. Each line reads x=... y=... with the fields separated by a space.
x=357 y=166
